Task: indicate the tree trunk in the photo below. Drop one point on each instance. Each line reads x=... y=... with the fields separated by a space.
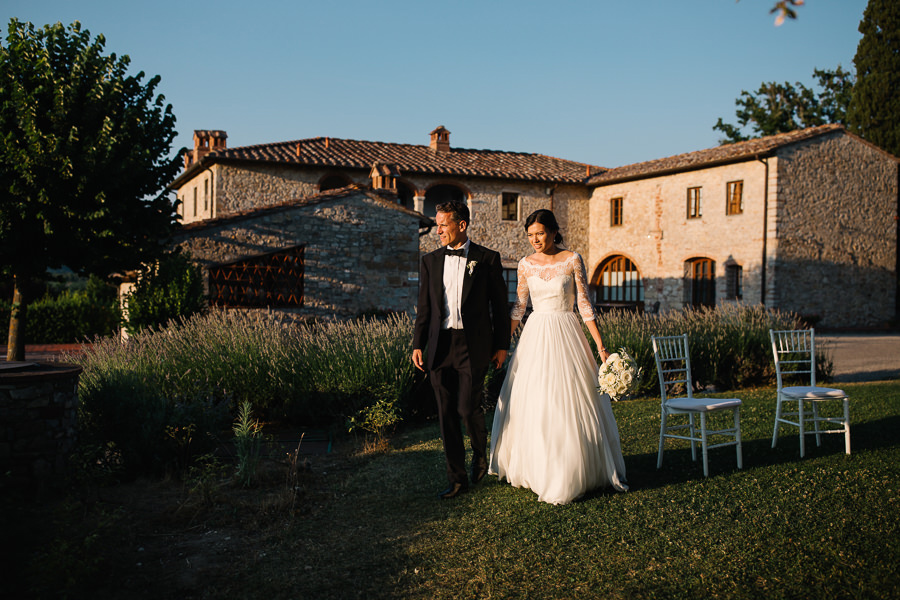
x=15 y=344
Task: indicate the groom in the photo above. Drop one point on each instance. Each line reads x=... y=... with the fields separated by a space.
x=463 y=320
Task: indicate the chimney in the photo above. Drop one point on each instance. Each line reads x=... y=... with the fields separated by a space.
x=205 y=141
x=440 y=139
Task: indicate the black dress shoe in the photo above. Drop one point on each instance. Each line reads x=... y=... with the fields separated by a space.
x=479 y=470
x=453 y=491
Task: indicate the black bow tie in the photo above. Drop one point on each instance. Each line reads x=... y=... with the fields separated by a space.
x=461 y=252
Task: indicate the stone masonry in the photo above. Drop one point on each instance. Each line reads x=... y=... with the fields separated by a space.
x=361 y=251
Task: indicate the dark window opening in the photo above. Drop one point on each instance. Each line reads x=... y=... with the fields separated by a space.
x=700 y=282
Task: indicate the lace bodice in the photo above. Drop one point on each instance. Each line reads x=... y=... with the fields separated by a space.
x=553 y=288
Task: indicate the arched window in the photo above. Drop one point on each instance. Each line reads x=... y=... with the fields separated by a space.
x=440 y=194
x=617 y=283
x=700 y=282
x=333 y=182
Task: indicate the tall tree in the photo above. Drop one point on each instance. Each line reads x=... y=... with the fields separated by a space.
x=782 y=107
x=874 y=112
x=84 y=161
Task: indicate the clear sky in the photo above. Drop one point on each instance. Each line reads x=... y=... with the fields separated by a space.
x=598 y=81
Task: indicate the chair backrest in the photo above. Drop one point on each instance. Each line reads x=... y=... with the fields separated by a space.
x=673 y=363
x=794 y=351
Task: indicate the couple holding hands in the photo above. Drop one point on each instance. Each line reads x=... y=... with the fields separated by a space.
x=553 y=432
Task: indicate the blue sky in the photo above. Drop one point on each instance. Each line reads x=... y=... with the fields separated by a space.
x=597 y=81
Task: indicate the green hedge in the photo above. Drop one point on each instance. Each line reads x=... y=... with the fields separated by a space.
x=70 y=317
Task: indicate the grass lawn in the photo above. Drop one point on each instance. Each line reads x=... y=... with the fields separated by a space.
x=825 y=526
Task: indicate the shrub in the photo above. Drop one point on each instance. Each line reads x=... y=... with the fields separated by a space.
x=71 y=316
x=159 y=396
x=197 y=368
x=166 y=290
x=729 y=344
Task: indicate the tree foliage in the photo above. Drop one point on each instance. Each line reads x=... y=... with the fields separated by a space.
x=84 y=159
x=874 y=113
x=782 y=107
x=170 y=288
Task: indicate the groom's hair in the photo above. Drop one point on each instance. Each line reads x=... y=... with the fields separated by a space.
x=457 y=210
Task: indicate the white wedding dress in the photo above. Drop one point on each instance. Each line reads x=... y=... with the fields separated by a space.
x=553 y=432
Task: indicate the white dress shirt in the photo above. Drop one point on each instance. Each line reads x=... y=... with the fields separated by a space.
x=454 y=274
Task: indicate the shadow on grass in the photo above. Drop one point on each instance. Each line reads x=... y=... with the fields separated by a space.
x=757 y=453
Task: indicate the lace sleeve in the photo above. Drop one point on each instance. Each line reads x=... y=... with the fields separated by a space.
x=518 y=310
x=583 y=298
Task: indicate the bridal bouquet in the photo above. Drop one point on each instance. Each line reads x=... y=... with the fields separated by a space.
x=619 y=375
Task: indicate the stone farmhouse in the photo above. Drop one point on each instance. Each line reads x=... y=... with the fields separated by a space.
x=804 y=221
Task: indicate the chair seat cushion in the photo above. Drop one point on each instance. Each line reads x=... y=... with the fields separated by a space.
x=806 y=391
x=702 y=404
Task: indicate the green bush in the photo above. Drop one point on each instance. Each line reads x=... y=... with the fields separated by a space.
x=166 y=290
x=71 y=316
x=146 y=430
x=319 y=374
x=145 y=395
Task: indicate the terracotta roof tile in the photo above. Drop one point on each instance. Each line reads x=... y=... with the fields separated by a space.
x=726 y=153
x=410 y=159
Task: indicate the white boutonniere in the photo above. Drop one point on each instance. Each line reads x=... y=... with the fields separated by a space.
x=471 y=266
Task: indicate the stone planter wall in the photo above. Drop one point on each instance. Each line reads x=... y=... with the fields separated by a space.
x=38 y=421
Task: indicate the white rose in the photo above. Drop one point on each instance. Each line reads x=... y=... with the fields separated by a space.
x=627 y=377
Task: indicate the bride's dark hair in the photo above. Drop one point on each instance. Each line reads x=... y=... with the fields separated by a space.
x=548 y=220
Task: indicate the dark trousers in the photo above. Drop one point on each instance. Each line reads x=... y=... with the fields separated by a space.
x=458 y=389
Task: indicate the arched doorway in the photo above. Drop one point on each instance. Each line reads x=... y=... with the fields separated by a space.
x=617 y=283
x=406 y=195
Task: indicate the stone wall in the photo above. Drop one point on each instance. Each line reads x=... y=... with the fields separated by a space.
x=361 y=252
x=836 y=208
x=243 y=186
x=38 y=412
x=508 y=236
x=658 y=237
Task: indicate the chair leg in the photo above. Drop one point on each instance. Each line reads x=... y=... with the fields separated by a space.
x=816 y=423
x=777 y=420
x=801 y=420
x=847 y=425
x=737 y=434
x=693 y=436
x=703 y=444
x=662 y=438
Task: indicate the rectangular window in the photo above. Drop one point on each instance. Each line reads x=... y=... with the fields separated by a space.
x=734 y=275
x=205 y=195
x=694 y=209
x=510 y=276
x=509 y=206
x=735 y=198
x=615 y=212
x=195 y=201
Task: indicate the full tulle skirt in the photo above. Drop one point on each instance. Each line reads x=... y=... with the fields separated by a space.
x=553 y=432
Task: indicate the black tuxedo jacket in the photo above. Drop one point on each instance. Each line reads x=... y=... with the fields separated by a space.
x=485 y=309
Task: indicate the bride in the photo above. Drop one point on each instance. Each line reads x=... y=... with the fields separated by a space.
x=553 y=432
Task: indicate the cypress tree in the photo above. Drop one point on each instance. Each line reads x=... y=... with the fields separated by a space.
x=874 y=111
